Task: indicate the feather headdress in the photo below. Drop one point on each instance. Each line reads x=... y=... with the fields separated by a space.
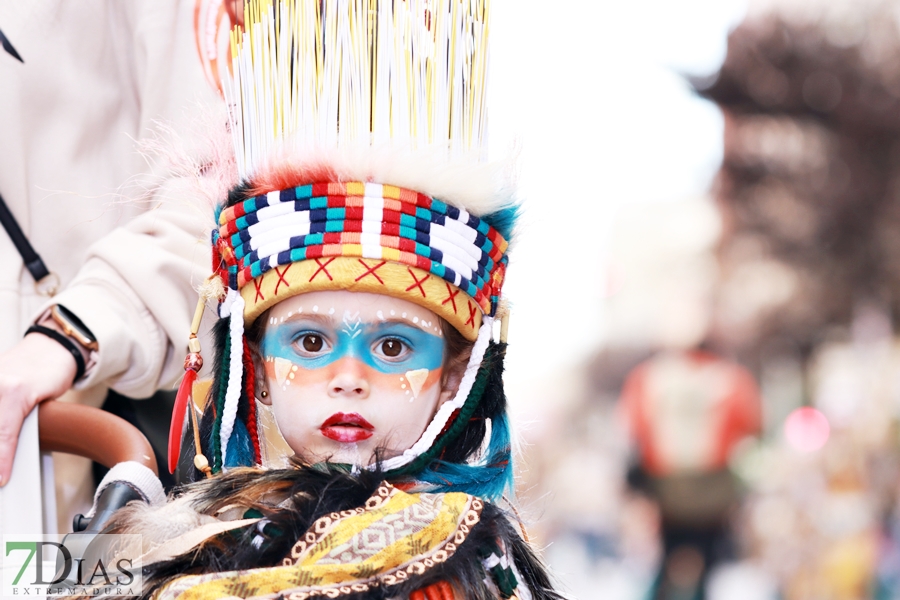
x=359 y=129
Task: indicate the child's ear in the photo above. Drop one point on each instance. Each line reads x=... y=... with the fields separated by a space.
x=262 y=387
x=261 y=381
x=263 y=396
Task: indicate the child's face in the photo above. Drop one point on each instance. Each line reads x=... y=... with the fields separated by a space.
x=348 y=373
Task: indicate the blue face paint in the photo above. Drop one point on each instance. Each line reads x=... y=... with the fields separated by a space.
x=363 y=341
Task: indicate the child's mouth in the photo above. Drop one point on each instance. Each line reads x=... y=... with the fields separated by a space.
x=347 y=427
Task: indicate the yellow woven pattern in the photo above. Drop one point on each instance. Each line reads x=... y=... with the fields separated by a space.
x=406 y=534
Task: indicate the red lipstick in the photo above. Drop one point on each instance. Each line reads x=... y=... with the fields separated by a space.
x=347 y=427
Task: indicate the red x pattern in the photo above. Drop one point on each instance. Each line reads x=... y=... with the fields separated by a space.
x=451 y=296
x=371 y=270
x=471 y=319
x=259 y=295
x=417 y=283
x=323 y=268
x=281 y=278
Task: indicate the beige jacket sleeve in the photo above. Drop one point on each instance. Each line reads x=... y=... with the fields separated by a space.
x=136 y=294
x=135 y=289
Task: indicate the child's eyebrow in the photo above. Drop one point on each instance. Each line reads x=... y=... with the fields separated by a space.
x=322 y=319
x=392 y=321
x=389 y=323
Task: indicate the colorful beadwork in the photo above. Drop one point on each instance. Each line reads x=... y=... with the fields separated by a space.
x=364 y=220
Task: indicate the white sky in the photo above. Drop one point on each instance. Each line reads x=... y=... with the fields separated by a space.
x=590 y=92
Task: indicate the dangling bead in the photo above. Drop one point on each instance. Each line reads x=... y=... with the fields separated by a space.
x=201 y=463
x=193 y=361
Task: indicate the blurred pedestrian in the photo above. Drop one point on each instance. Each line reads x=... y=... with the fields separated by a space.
x=687 y=411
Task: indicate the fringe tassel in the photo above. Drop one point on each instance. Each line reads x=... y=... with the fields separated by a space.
x=489 y=475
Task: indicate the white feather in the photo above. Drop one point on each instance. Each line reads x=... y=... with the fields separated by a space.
x=462 y=181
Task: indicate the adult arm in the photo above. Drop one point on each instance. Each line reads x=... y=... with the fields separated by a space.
x=134 y=289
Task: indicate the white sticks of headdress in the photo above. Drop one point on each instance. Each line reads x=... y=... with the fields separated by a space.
x=327 y=73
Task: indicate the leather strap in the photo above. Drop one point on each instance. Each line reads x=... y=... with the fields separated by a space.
x=66 y=343
x=33 y=262
x=4 y=41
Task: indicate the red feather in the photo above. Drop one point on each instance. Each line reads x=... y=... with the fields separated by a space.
x=178 y=412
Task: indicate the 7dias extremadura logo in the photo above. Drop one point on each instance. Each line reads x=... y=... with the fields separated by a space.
x=76 y=564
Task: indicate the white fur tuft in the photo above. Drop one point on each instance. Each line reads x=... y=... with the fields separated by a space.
x=462 y=181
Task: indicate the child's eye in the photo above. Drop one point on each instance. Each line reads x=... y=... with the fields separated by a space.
x=312 y=342
x=392 y=348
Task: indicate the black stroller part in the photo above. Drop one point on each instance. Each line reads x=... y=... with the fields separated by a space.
x=86 y=545
x=113 y=497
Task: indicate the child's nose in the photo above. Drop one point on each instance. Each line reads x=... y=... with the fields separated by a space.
x=349 y=380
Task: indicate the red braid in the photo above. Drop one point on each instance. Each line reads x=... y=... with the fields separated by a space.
x=250 y=379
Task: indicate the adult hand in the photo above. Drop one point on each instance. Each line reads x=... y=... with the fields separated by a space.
x=36 y=369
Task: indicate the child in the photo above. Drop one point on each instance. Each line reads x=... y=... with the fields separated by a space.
x=361 y=278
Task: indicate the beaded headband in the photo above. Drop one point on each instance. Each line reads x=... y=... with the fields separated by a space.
x=362 y=237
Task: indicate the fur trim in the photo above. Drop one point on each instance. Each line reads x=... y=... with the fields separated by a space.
x=290 y=500
x=477 y=187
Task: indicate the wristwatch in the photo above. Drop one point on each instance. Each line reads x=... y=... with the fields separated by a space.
x=73 y=327
x=60 y=325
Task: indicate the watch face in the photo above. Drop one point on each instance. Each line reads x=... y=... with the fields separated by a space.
x=65 y=318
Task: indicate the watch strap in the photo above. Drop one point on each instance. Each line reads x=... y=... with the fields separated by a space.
x=66 y=343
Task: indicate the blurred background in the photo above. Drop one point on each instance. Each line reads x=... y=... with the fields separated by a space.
x=703 y=363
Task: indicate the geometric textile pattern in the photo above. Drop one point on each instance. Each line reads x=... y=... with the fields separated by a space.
x=361 y=220
x=394 y=536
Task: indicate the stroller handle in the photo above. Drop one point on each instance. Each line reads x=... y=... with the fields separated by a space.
x=92 y=433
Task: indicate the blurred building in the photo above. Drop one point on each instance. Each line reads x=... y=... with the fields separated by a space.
x=808 y=188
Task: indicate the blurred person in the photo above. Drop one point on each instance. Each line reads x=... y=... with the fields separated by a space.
x=80 y=83
x=686 y=412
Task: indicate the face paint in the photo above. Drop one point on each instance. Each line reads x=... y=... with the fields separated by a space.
x=416 y=380
x=342 y=369
x=316 y=343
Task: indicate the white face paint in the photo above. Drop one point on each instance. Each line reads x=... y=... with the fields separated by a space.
x=341 y=379
x=352 y=324
x=416 y=380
